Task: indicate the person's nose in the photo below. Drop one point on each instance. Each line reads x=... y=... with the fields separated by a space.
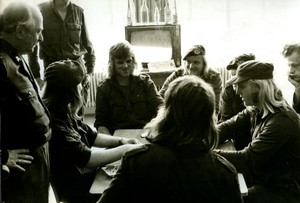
x=292 y=70
x=41 y=38
x=190 y=65
x=125 y=64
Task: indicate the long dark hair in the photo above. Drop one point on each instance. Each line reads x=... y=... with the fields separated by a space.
x=63 y=101
x=187 y=117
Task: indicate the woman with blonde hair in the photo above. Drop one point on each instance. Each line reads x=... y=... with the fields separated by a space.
x=271 y=161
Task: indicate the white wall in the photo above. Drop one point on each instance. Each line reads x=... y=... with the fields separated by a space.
x=225 y=27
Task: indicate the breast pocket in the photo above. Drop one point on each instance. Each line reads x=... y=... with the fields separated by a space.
x=74 y=32
x=51 y=33
x=140 y=106
x=119 y=111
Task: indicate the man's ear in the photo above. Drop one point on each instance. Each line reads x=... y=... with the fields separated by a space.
x=20 y=31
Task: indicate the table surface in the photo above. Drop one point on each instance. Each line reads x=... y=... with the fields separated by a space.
x=102 y=180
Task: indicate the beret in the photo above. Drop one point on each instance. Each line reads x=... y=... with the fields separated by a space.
x=239 y=60
x=64 y=73
x=194 y=51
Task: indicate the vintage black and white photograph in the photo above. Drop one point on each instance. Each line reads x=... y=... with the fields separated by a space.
x=106 y=101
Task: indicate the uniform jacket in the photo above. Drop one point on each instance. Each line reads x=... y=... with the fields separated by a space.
x=231 y=103
x=116 y=109
x=273 y=156
x=25 y=123
x=296 y=107
x=64 y=39
x=157 y=173
x=213 y=78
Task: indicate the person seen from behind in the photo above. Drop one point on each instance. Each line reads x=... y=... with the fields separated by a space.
x=178 y=165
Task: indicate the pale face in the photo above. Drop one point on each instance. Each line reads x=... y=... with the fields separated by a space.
x=246 y=92
x=194 y=65
x=33 y=35
x=294 y=64
x=124 y=68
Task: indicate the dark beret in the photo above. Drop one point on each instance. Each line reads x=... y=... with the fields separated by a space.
x=239 y=60
x=64 y=73
x=194 y=51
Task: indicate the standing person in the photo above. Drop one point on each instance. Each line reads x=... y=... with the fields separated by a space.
x=272 y=160
x=292 y=53
x=125 y=100
x=232 y=103
x=25 y=123
x=196 y=64
x=73 y=162
x=178 y=165
x=65 y=37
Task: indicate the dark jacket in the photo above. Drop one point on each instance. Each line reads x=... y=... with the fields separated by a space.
x=232 y=104
x=157 y=173
x=273 y=157
x=63 y=39
x=70 y=151
x=296 y=106
x=117 y=108
x=212 y=77
x=25 y=123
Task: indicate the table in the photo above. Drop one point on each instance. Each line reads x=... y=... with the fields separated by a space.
x=102 y=180
x=228 y=145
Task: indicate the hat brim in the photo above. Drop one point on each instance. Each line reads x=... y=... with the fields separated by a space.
x=231 y=67
x=235 y=79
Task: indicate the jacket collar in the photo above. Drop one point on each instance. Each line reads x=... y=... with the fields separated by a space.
x=10 y=50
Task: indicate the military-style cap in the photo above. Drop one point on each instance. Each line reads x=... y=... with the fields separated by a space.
x=252 y=70
x=64 y=73
x=239 y=60
x=195 y=51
